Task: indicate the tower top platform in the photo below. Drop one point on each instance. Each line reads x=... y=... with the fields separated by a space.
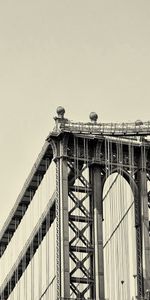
x=137 y=128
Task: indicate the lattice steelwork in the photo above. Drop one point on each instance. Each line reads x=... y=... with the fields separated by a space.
x=81 y=238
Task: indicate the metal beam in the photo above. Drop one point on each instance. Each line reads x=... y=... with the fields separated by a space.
x=145 y=228
x=96 y=199
x=62 y=219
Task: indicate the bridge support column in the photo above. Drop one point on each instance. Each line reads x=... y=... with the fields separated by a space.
x=145 y=228
x=98 y=231
x=62 y=228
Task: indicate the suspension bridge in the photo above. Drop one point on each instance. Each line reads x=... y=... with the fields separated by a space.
x=79 y=229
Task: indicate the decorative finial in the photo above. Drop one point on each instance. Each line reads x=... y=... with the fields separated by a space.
x=93 y=117
x=60 y=111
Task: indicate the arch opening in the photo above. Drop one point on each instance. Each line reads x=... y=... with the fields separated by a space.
x=119 y=237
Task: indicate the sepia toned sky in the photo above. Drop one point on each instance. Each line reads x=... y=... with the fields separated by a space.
x=85 y=55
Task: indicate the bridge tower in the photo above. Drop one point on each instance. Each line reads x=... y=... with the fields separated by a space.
x=80 y=156
x=85 y=154
x=79 y=220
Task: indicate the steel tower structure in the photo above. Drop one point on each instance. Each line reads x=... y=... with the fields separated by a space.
x=78 y=150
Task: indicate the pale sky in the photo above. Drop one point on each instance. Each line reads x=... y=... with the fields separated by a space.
x=85 y=55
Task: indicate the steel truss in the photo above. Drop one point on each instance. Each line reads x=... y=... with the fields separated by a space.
x=81 y=227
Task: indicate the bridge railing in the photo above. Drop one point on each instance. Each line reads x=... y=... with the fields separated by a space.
x=118 y=129
x=108 y=128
